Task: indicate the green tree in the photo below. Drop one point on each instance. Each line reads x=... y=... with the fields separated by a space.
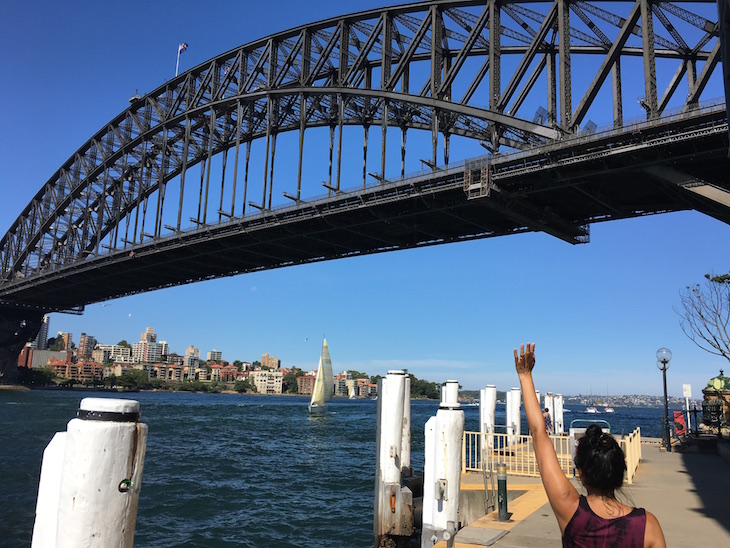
x=58 y=345
x=289 y=382
x=357 y=374
x=238 y=364
x=111 y=381
x=134 y=379
x=124 y=343
x=424 y=389
x=244 y=386
x=704 y=314
x=159 y=384
x=255 y=363
x=35 y=377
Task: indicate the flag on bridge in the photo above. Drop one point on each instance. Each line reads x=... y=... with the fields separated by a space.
x=182 y=47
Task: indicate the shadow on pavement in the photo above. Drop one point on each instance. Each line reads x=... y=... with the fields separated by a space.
x=710 y=475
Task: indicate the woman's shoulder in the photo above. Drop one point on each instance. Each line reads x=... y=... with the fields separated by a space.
x=653 y=534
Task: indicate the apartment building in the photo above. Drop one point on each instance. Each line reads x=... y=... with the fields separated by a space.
x=267 y=382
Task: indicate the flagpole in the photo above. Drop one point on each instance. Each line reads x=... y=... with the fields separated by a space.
x=177 y=64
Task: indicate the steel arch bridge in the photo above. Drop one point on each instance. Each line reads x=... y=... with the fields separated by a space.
x=164 y=194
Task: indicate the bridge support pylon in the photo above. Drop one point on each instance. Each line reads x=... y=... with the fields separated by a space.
x=17 y=327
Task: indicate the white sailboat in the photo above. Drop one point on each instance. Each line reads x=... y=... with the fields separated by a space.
x=324 y=383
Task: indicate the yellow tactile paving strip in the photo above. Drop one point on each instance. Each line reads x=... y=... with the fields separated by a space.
x=523 y=506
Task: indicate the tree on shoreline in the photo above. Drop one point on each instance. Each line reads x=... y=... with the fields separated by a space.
x=704 y=314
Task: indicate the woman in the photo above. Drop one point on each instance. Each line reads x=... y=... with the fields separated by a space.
x=598 y=519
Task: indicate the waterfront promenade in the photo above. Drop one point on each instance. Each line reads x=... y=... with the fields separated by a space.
x=687 y=492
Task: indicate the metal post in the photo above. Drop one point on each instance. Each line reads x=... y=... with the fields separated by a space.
x=502 y=491
x=667 y=443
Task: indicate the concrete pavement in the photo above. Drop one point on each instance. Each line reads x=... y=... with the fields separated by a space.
x=689 y=493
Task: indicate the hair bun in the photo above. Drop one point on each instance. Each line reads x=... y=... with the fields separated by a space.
x=594 y=432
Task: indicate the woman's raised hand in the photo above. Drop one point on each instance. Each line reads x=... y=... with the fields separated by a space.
x=525 y=361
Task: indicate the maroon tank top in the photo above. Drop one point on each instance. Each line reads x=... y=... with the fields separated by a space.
x=586 y=529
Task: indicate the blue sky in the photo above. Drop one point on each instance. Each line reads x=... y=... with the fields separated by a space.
x=598 y=312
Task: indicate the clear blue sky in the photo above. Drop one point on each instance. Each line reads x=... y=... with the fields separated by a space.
x=598 y=312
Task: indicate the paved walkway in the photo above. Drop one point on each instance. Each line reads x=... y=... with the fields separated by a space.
x=687 y=492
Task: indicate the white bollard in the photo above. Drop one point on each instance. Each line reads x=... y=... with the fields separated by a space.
x=558 y=419
x=442 y=470
x=91 y=499
x=487 y=407
x=549 y=405
x=514 y=420
x=49 y=490
x=393 y=503
x=406 y=469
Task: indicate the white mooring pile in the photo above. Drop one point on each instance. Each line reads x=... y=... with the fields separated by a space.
x=91 y=477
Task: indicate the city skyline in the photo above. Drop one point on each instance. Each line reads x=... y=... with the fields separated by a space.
x=598 y=312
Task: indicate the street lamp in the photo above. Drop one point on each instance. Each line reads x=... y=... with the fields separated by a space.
x=663 y=356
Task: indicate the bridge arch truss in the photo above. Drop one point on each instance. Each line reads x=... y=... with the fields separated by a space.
x=502 y=74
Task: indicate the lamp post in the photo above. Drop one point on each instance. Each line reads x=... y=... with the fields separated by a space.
x=663 y=356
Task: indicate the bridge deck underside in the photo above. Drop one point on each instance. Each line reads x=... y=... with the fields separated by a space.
x=571 y=188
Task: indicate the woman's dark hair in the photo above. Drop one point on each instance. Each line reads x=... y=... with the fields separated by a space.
x=600 y=460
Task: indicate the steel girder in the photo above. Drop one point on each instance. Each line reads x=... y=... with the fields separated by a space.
x=434 y=66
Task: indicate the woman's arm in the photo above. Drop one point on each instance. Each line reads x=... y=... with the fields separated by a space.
x=562 y=495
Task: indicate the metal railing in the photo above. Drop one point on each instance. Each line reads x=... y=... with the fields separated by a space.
x=482 y=451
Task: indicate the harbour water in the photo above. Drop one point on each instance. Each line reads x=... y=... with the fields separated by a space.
x=236 y=470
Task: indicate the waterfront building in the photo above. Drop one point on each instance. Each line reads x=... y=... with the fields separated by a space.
x=119 y=369
x=148 y=350
x=101 y=355
x=116 y=353
x=267 y=382
x=215 y=355
x=352 y=387
x=201 y=374
x=38 y=359
x=272 y=362
x=229 y=373
x=305 y=384
x=192 y=356
x=366 y=389
x=67 y=339
x=83 y=371
x=341 y=386
x=175 y=359
x=86 y=345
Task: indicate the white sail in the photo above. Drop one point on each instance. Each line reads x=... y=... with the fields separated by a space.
x=324 y=382
x=318 y=392
x=325 y=362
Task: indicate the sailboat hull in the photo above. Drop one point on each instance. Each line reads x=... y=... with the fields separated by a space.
x=315 y=409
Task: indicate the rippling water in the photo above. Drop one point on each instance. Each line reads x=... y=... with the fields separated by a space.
x=233 y=470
